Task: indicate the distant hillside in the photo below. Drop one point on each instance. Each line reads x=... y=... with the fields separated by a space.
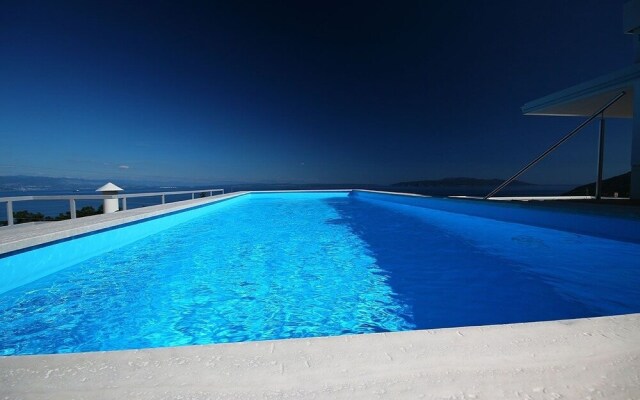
x=620 y=184
x=30 y=183
x=24 y=182
x=450 y=182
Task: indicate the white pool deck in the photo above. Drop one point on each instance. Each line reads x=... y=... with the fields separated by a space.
x=595 y=358
x=578 y=359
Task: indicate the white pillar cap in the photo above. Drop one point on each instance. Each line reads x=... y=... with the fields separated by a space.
x=109 y=187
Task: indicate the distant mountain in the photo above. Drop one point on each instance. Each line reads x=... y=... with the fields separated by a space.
x=620 y=184
x=25 y=183
x=452 y=182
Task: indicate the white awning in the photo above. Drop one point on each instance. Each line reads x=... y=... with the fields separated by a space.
x=586 y=98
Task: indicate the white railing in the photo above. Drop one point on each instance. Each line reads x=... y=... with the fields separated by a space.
x=74 y=197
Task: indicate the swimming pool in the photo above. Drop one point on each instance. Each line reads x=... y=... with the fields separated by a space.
x=283 y=265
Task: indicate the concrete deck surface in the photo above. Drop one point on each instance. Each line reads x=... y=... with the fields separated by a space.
x=595 y=358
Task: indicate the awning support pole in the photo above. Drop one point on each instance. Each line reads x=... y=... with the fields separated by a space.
x=558 y=143
x=600 y=158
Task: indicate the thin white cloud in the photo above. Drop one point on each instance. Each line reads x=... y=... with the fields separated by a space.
x=123 y=166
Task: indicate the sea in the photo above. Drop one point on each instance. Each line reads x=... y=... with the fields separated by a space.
x=53 y=208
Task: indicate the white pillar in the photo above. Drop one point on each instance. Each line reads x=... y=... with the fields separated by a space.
x=635 y=144
x=110 y=205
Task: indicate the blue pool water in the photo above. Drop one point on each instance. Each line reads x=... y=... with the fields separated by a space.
x=272 y=266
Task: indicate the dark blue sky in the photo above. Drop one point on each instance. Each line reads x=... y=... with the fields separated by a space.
x=334 y=92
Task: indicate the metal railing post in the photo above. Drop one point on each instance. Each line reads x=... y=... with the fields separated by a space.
x=124 y=204
x=162 y=198
x=600 y=159
x=193 y=195
x=72 y=208
x=9 y=213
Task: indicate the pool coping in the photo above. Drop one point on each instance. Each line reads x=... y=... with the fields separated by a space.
x=19 y=237
x=596 y=358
